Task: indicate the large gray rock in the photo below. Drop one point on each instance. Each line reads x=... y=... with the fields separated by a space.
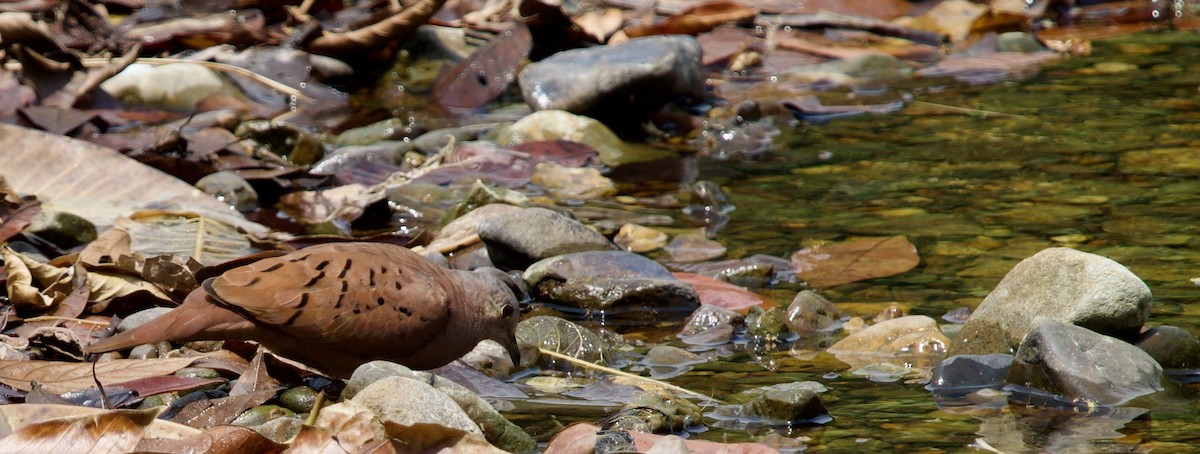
x=1078 y=363
x=1064 y=284
x=406 y=401
x=616 y=84
x=964 y=374
x=622 y=284
x=515 y=239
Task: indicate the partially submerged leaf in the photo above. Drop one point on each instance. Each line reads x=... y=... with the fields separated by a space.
x=60 y=377
x=697 y=19
x=854 y=260
x=722 y=294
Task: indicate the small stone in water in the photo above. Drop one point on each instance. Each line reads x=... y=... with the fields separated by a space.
x=640 y=239
x=960 y=315
x=299 y=399
x=694 y=247
x=891 y=312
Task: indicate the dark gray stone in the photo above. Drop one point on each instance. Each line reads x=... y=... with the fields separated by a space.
x=1173 y=347
x=1064 y=284
x=963 y=374
x=1078 y=363
x=619 y=84
x=617 y=282
x=516 y=239
x=66 y=230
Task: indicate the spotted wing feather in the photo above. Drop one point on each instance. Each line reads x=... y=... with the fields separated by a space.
x=354 y=296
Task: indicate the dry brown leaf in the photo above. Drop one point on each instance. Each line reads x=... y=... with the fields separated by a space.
x=16 y=416
x=214 y=440
x=115 y=432
x=697 y=19
x=486 y=73
x=106 y=248
x=854 y=260
x=600 y=24
x=251 y=389
x=21 y=291
x=103 y=285
x=575 y=439
x=206 y=239
x=349 y=423
x=344 y=202
x=96 y=182
x=61 y=377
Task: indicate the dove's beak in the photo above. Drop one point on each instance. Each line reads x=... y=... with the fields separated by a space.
x=509 y=342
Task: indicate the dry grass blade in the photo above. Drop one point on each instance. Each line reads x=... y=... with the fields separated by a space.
x=609 y=370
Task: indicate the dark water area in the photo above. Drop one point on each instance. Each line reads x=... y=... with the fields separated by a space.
x=1098 y=153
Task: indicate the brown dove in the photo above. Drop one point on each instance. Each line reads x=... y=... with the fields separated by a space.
x=335 y=306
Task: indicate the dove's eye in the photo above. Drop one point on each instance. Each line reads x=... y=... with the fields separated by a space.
x=507 y=311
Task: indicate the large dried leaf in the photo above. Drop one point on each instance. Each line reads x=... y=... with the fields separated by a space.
x=432 y=438
x=206 y=239
x=61 y=377
x=98 y=183
x=214 y=440
x=114 y=432
x=16 y=416
x=251 y=389
x=21 y=291
x=487 y=73
x=854 y=260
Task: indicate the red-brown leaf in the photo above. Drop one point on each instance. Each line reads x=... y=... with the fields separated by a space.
x=854 y=260
x=722 y=294
x=486 y=74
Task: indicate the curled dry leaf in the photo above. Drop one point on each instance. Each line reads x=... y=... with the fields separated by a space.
x=697 y=19
x=102 y=285
x=854 y=260
x=345 y=203
x=21 y=291
x=426 y=437
x=61 y=377
x=341 y=427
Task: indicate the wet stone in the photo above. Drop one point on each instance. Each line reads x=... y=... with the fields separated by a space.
x=389 y=129
x=390 y=152
x=1018 y=42
x=621 y=283
x=261 y=414
x=618 y=84
x=298 y=145
x=810 y=313
x=433 y=141
x=299 y=399
x=694 y=247
x=1075 y=362
x=741 y=272
x=66 y=230
x=406 y=401
x=1064 y=284
x=640 y=239
x=913 y=334
x=963 y=374
x=665 y=361
x=710 y=325
x=766 y=322
x=230 y=188
x=582 y=183
x=1173 y=347
x=516 y=239
x=787 y=403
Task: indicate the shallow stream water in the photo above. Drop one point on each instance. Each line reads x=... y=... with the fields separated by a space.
x=1098 y=153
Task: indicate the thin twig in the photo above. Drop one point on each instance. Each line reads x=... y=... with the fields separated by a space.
x=609 y=370
x=316 y=409
x=47 y=318
x=965 y=110
x=215 y=66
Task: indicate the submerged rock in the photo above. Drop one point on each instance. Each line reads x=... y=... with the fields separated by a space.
x=908 y=335
x=516 y=239
x=710 y=326
x=620 y=84
x=694 y=247
x=640 y=239
x=963 y=374
x=665 y=361
x=1064 y=284
x=1078 y=363
x=65 y=230
x=786 y=403
x=619 y=283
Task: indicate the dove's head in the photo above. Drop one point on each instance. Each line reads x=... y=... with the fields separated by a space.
x=496 y=294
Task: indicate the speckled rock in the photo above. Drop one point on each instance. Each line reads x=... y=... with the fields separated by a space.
x=1064 y=284
x=406 y=401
